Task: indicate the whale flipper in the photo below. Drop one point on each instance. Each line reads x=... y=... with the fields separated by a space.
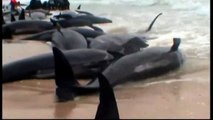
x=176 y=43
x=22 y=15
x=64 y=77
x=107 y=108
x=153 y=21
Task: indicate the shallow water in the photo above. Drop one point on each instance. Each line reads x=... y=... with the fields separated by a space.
x=184 y=93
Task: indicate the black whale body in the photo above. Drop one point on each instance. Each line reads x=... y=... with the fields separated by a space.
x=67 y=39
x=26 y=26
x=70 y=15
x=79 y=58
x=47 y=35
x=151 y=62
x=120 y=43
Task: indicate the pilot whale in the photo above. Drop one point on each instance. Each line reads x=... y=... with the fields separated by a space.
x=121 y=43
x=25 y=26
x=82 y=15
x=71 y=14
x=82 y=60
x=47 y=35
x=71 y=22
x=67 y=39
x=150 y=62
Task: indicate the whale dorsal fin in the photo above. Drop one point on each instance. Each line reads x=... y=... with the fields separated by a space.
x=22 y=15
x=153 y=21
x=12 y=17
x=53 y=21
x=59 y=15
x=176 y=44
x=64 y=77
x=107 y=108
x=57 y=25
x=79 y=7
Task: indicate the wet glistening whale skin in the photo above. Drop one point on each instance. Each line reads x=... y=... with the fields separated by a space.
x=151 y=62
x=28 y=67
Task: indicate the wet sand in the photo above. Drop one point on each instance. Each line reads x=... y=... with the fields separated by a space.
x=188 y=96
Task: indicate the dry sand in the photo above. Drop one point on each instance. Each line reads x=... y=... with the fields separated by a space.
x=187 y=97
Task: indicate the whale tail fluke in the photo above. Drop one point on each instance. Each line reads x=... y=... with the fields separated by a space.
x=22 y=15
x=153 y=21
x=64 y=77
x=176 y=44
x=107 y=108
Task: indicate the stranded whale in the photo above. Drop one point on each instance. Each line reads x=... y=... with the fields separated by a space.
x=151 y=62
x=67 y=39
x=121 y=43
x=83 y=61
x=25 y=26
x=47 y=35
